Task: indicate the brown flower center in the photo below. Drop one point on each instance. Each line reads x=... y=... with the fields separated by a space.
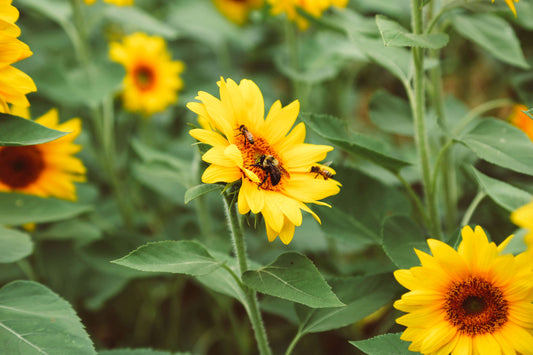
x=144 y=77
x=260 y=158
x=20 y=166
x=475 y=306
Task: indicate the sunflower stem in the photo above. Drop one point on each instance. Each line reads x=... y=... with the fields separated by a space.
x=252 y=306
x=293 y=343
x=418 y=106
x=473 y=205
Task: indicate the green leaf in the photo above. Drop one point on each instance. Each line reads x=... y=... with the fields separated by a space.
x=180 y=257
x=391 y=113
x=16 y=209
x=143 y=351
x=35 y=320
x=492 y=33
x=345 y=227
x=335 y=131
x=505 y=195
x=500 y=143
x=199 y=190
x=134 y=18
x=387 y=344
x=363 y=295
x=223 y=281
x=395 y=35
x=161 y=178
x=401 y=235
x=293 y=277
x=14 y=245
x=15 y=131
x=58 y=11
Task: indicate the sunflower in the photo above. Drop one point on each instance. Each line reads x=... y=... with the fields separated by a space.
x=313 y=7
x=471 y=301
x=521 y=120
x=510 y=3
x=115 y=2
x=237 y=11
x=14 y=84
x=46 y=169
x=272 y=164
x=523 y=217
x=152 y=78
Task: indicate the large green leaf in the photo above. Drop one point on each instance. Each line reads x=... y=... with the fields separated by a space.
x=505 y=195
x=401 y=235
x=387 y=344
x=35 y=320
x=161 y=178
x=391 y=113
x=199 y=190
x=335 y=131
x=493 y=34
x=58 y=11
x=293 y=276
x=138 y=352
x=181 y=257
x=395 y=35
x=363 y=295
x=135 y=18
x=16 y=131
x=500 y=143
x=14 y=245
x=18 y=209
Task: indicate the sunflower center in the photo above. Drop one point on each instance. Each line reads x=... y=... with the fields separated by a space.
x=475 y=306
x=259 y=157
x=20 y=166
x=144 y=77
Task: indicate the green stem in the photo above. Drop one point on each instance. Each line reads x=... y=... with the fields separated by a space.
x=418 y=107
x=479 y=110
x=293 y=343
x=252 y=308
x=27 y=268
x=473 y=205
x=414 y=198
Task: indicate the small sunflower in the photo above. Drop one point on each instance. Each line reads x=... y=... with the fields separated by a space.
x=46 y=169
x=115 y=2
x=14 y=84
x=510 y=3
x=470 y=301
x=523 y=217
x=152 y=78
x=272 y=164
x=521 y=120
x=237 y=11
x=313 y=7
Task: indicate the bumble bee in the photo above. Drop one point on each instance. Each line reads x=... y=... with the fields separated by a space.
x=326 y=174
x=246 y=133
x=271 y=167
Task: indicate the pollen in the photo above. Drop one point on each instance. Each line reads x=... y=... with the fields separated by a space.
x=251 y=153
x=475 y=307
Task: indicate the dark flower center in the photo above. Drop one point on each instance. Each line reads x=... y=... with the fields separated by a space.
x=475 y=306
x=144 y=77
x=20 y=166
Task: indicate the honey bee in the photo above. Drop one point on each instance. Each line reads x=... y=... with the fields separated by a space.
x=319 y=170
x=271 y=167
x=246 y=133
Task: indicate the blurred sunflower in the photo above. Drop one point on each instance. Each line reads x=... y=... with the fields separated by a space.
x=14 y=84
x=46 y=169
x=115 y=2
x=237 y=11
x=510 y=3
x=470 y=301
x=152 y=78
x=523 y=217
x=314 y=8
x=521 y=120
x=272 y=164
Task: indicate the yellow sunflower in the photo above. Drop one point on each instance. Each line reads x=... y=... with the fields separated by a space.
x=47 y=169
x=115 y=2
x=521 y=120
x=152 y=78
x=523 y=217
x=14 y=84
x=510 y=3
x=237 y=11
x=272 y=164
x=313 y=7
x=471 y=301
